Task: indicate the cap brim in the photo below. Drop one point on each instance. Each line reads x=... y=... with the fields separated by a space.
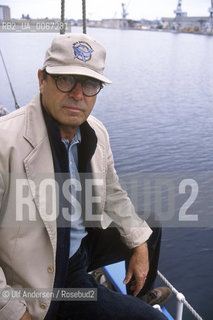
x=77 y=70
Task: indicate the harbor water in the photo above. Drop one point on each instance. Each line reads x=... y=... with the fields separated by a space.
x=159 y=115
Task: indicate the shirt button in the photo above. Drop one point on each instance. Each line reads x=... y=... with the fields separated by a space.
x=43 y=305
x=50 y=269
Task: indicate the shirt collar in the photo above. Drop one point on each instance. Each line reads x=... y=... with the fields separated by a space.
x=77 y=137
x=75 y=140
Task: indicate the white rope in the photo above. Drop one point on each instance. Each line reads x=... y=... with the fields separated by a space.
x=185 y=302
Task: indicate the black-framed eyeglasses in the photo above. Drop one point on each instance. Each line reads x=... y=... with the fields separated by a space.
x=66 y=83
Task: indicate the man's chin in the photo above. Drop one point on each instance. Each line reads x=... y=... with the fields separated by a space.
x=72 y=121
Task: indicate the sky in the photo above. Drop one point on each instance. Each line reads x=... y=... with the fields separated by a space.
x=102 y=9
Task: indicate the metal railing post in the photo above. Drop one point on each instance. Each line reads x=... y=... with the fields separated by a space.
x=180 y=300
x=179 y=311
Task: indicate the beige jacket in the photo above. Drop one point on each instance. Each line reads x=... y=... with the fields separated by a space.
x=28 y=250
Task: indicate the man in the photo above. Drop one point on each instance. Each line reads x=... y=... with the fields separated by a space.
x=54 y=138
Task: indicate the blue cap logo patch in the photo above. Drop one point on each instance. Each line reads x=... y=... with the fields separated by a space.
x=82 y=51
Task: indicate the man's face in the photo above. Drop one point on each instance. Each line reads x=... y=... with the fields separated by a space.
x=70 y=109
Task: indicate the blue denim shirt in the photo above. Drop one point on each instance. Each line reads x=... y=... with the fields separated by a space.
x=78 y=231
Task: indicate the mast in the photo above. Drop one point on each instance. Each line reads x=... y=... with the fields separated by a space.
x=84 y=16
x=62 y=28
x=10 y=83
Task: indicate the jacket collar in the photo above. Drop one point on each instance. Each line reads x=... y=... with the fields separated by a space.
x=35 y=129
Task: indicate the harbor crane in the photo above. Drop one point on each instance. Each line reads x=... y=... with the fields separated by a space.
x=124 y=12
x=178 y=11
x=211 y=9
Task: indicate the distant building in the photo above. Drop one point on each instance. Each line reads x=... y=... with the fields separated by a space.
x=183 y=23
x=118 y=23
x=187 y=24
x=5 y=13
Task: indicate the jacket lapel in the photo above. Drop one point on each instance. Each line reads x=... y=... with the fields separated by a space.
x=39 y=168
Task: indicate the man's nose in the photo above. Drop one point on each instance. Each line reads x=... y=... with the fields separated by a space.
x=77 y=92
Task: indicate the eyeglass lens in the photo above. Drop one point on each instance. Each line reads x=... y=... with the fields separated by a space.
x=90 y=86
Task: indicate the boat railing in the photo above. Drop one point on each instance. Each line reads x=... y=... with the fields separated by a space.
x=116 y=273
x=181 y=300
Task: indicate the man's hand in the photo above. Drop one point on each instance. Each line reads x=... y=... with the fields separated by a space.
x=139 y=267
x=26 y=316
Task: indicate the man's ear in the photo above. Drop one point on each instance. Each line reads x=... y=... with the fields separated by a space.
x=41 y=80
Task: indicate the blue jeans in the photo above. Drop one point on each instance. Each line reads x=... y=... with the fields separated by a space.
x=99 y=248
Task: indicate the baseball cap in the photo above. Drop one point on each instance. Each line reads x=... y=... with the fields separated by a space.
x=77 y=54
